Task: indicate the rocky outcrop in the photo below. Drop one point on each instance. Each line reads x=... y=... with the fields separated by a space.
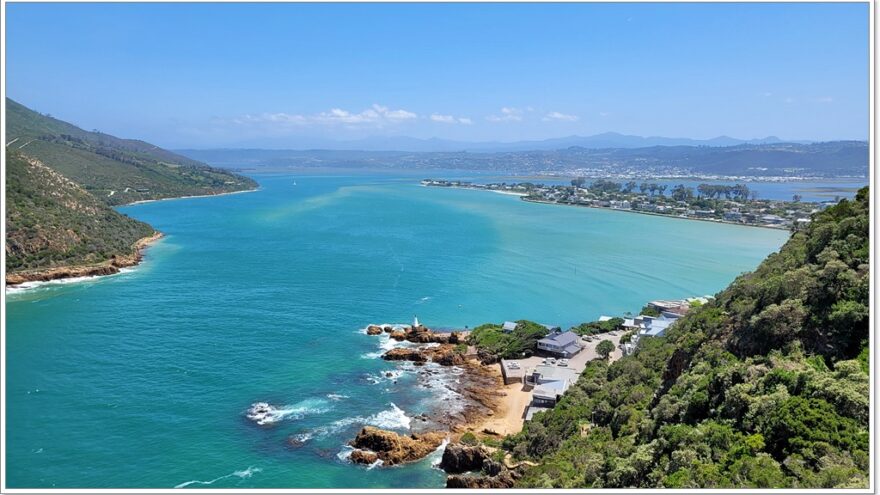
x=108 y=267
x=449 y=358
x=459 y=458
x=493 y=474
x=486 y=357
x=445 y=354
x=372 y=444
x=363 y=457
x=417 y=335
x=406 y=354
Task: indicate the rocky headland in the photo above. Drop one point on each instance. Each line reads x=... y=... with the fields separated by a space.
x=109 y=267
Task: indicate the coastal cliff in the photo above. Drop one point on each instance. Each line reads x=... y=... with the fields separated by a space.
x=56 y=229
x=109 y=267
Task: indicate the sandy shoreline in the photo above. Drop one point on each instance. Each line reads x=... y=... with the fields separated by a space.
x=109 y=267
x=142 y=201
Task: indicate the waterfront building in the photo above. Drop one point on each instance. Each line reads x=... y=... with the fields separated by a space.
x=564 y=344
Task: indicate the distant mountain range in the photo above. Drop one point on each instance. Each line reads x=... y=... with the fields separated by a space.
x=831 y=159
x=598 y=141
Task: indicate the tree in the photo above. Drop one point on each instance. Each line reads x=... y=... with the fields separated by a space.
x=796 y=198
x=629 y=187
x=605 y=348
x=682 y=193
x=579 y=182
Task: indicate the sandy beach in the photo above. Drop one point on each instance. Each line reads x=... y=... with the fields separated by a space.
x=190 y=197
x=509 y=416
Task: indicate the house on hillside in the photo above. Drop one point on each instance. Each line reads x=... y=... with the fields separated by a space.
x=508 y=326
x=550 y=383
x=563 y=344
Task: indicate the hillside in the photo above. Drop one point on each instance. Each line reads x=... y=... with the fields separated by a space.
x=767 y=386
x=53 y=222
x=117 y=171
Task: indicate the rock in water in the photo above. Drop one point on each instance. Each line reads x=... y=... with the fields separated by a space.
x=392 y=448
x=405 y=354
x=363 y=457
x=374 y=330
x=459 y=458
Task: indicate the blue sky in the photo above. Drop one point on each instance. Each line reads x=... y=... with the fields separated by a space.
x=277 y=75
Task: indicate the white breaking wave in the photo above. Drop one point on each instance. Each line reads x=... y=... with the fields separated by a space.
x=394 y=418
x=435 y=457
x=336 y=396
x=264 y=414
x=28 y=286
x=247 y=473
x=345 y=454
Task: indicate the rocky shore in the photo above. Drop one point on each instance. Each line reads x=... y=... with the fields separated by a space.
x=108 y=267
x=476 y=467
x=372 y=444
x=476 y=396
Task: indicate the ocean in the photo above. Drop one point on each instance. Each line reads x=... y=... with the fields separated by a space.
x=143 y=379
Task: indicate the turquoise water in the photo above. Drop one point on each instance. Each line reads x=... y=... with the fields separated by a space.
x=142 y=379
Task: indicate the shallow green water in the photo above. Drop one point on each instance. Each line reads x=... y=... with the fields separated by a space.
x=143 y=379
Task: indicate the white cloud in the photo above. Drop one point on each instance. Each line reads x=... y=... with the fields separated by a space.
x=508 y=114
x=376 y=115
x=604 y=114
x=449 y=119
x=559 y=116
x=446 y=119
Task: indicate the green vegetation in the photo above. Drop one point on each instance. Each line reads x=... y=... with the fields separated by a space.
x=117 y=171
x=596 y=327
x=489 y=339
x=649 y=310
x=765 y=386
x=605 y=348
x=51 y=221
x=469 y=439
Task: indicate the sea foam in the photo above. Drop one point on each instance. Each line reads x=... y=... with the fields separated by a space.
x=269 y=414
x=246 y=473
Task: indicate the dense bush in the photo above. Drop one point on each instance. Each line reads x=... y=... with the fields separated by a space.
x=766 y=386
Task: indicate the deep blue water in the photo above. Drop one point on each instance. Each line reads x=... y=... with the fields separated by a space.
x=142 y=379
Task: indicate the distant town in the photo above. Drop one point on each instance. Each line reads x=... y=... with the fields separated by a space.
x=735 y=204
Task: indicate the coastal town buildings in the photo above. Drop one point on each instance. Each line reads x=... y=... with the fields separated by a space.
x=714 y=202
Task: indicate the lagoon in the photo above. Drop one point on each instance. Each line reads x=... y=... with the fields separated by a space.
x=142 y=379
